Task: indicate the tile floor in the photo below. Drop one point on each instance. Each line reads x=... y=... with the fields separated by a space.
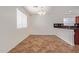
x=44 y=44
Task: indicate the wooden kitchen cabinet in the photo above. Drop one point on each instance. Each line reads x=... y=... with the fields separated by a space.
x=76 y=37
x=77 y=19
x=76 y=32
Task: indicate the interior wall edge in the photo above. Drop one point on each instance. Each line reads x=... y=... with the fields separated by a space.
x=18 y=43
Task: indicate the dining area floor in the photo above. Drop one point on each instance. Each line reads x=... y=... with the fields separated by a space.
x=44 y=44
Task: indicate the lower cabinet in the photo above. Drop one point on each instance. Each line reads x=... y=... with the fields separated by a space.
x=76 y=37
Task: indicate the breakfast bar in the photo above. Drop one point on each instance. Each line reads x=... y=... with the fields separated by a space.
x=75 y=28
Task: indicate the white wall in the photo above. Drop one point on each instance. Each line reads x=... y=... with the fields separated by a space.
x=43 y=25
x=10 y=36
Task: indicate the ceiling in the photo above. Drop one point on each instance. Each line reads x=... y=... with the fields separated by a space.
x=34 y=9
x=55 y=10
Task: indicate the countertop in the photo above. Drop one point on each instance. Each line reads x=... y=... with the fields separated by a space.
x=60 y=25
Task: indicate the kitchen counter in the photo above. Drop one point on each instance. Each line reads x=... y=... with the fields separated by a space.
x=62 y=26
x=65 y=32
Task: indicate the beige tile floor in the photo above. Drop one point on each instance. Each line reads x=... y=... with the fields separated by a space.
x=44 y=44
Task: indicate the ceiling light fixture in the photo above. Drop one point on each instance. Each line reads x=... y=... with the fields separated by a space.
x=41 y=10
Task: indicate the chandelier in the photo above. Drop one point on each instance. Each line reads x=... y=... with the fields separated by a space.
x=41 y=10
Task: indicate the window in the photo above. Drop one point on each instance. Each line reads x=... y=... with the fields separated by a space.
x=69 y=21
x=21 y=19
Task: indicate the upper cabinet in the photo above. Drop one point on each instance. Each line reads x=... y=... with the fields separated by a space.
x=77 y=19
